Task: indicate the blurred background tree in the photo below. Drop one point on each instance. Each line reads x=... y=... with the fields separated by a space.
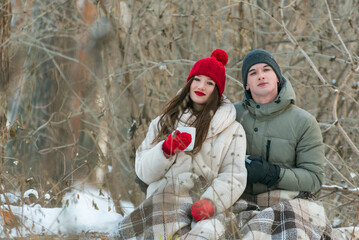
x=86 y=78
x=5 y=20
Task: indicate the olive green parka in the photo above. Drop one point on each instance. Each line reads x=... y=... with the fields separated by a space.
x=286 y=135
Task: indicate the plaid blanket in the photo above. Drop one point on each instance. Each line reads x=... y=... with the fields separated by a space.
x=279 y=215
x=273 y=215
x=167 y=215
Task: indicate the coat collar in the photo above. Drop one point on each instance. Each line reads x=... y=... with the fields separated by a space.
x=284 y=100
x=224 y=117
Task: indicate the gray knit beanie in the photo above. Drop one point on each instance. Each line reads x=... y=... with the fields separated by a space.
x=259 y=56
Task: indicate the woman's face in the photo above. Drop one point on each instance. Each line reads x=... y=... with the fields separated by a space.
x=200 y=90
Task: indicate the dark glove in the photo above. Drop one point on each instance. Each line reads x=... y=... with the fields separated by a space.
x=261 y=171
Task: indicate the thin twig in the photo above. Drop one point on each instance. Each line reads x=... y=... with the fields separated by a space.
x=337 y=34
x=294 y=41
x=105 y=162
x=336 y=188
x=335 y=116
x=355 y=223
x=50 y=149
x=339 y=173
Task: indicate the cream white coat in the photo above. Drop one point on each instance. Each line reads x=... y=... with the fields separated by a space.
x=220 y=161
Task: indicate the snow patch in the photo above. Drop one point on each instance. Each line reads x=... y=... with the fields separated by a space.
x=85 y=209
x=27 y=193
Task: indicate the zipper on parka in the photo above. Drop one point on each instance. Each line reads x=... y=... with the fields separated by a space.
x=268 y=149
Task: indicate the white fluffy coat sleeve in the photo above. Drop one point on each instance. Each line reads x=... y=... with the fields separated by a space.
x=151 y=164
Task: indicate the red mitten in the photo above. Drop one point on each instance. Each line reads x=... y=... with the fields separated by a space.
x=202 y=209
x=176 y=142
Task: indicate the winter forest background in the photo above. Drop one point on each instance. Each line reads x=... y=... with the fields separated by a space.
x=81 y=80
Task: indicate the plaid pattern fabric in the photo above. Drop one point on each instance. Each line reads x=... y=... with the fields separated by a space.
x=167 y=215
x=280 y=215
x=273 y=215
x=159 y=216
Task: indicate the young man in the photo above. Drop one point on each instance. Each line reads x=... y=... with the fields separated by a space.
x=284 y=158
x=284 y=142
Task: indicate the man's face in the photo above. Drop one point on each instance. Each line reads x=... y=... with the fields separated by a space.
x=263 y=83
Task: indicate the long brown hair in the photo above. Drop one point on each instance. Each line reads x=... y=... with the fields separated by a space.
x=174 y=109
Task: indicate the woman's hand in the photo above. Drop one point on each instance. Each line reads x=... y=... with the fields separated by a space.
x=176 y=142
x=202 y=209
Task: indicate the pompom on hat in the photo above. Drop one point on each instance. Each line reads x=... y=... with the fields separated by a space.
x=212 y=67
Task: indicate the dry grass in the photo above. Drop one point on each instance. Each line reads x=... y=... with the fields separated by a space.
x=85 y=81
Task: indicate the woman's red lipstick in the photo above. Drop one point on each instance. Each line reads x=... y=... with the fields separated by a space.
x=199 y=93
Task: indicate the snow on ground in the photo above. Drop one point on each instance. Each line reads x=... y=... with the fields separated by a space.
x=85 y=209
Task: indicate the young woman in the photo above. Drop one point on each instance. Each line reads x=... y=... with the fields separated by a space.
x=188 y=190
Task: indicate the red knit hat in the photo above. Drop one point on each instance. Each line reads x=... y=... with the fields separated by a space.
x=213 y=68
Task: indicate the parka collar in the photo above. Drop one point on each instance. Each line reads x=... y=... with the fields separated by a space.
x=285 y=99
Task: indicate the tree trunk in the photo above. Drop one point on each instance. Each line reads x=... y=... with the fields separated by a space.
x=46 y=154
x=5 y=20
